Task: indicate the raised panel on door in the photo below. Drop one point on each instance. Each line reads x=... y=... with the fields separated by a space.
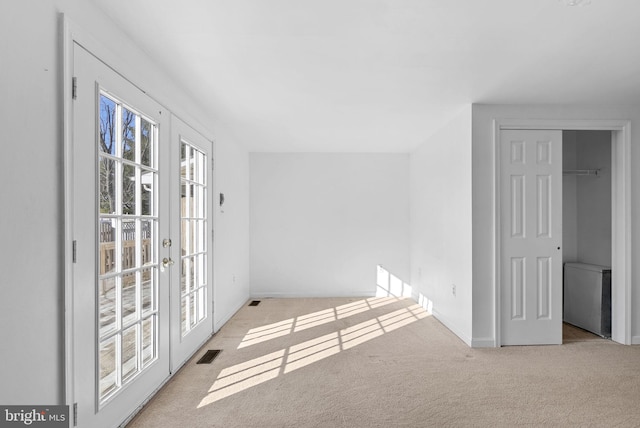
x=545 y=287
x=531 y=236
x=544 y=204
x=517 y=280
x=517 y=204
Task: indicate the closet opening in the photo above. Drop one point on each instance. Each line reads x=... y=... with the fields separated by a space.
x=587 y=234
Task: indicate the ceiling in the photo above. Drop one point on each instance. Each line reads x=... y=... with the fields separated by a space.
x=381 y=75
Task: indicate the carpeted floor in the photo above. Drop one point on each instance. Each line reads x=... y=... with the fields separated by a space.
x=384 y=362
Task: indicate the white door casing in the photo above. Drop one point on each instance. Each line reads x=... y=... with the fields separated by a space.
x=531 y=237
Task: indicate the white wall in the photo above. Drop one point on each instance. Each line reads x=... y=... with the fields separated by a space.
x=569 y=198
x=441 y=224
x=31 y=168
x=484 y=200
x=231 y=252
x=320 y=223
x=31 y=212
x=594 y=198
x=587 y=198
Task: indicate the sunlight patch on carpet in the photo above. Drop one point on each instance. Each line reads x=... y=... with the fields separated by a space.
x=248 y=374
x=293 y=325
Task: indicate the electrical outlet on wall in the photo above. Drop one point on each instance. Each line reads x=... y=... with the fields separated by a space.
x=453 y=289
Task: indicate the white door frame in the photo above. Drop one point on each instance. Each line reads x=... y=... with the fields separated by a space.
x=621 y=214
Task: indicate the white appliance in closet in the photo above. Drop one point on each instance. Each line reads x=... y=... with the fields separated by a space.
x=587 y=297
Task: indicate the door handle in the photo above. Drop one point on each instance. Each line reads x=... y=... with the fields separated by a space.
x=166 y=262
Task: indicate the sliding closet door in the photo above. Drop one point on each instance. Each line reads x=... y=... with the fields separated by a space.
x=531 y=237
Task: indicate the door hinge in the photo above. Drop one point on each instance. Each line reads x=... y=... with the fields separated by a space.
x=75 y=414
x=74 y=88
x=73 y=251
x=212 y=163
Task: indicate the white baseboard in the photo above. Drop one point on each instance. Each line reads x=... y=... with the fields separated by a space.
x=219 y=322
x=312 y=294
x=454 y=329
x=635 y=340
x=483 y=342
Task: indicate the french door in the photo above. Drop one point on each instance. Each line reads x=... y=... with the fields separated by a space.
x=191 y=211
x=141 y=230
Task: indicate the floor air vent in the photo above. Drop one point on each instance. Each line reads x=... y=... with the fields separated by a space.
x=209 y=356
x=254 y=303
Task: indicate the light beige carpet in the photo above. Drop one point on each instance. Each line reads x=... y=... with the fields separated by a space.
x=384 y=362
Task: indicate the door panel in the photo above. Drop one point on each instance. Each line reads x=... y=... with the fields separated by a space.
x=120 y=289
x=192 y=276
x=531 y=237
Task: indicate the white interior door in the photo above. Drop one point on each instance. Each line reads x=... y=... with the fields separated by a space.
x=120 y=217
x=531 y=237
x=191 y=232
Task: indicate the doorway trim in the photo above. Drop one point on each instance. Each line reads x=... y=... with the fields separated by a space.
x=620 y=215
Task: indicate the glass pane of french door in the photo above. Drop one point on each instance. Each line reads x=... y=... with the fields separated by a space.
x=193 y=239
x=191 y=211
x=127 y=227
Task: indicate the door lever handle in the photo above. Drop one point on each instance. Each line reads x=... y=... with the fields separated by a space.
x=166 y=262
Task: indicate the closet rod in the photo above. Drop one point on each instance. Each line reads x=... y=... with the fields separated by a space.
x=595 y=172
